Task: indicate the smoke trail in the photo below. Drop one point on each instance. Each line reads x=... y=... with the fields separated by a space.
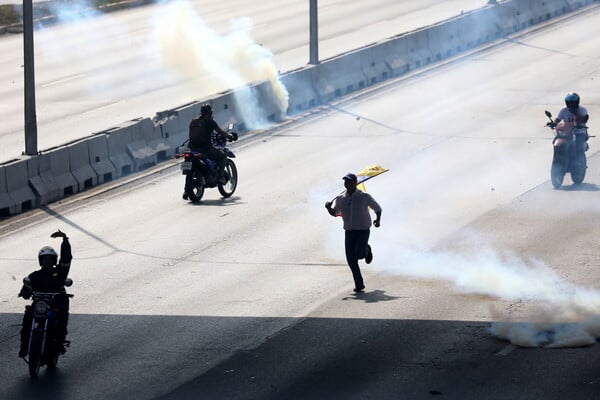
x=213 y=63
x=484 y=271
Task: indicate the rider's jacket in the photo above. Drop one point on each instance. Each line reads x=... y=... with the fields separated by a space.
x=50 y=280
x=201 y=130
x=568 y=116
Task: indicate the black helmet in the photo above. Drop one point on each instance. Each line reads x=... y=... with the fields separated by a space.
x=206 y=109
x=572 y=101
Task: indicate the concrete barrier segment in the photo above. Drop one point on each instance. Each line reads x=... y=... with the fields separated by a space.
x=80 y=165
x=417 y=46
x=301 y=88
x=223 y=110
x=117 y=140
x=395 y=54
x=443 y=41
x=7 y=204
x=42 y=191
x=17 y=183
x=374 y=66
x=339 y=76
x=265 y=106
x=55 y=178
x=156 y=144
x=174 y=124
x=476 y=28
x=99 y=158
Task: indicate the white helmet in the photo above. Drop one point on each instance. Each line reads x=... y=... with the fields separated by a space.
x=47 y=251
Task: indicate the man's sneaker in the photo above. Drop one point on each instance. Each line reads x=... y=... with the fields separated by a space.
x=369 y=256
x=359 y=289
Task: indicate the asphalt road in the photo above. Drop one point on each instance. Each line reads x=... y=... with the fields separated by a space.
x=250 y=297
x=98 y=73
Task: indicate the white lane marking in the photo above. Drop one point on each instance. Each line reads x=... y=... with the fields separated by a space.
x=69 y=78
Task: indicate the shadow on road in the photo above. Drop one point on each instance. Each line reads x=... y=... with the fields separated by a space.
x=582 y=187
x=374 y=296
x=174 y=357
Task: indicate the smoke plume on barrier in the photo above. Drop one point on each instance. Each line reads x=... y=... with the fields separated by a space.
x=214 y=63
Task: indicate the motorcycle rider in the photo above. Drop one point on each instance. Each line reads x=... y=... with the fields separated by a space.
x=200 y=135
x=576 y=114
x=50 y=279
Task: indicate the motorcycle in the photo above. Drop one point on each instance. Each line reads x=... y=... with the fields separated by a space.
x=205 y=172
x=569 y=155
x=44 y=348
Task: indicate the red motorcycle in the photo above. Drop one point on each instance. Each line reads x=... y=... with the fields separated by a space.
x=570 y=145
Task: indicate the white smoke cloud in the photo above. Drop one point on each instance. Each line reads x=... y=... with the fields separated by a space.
x=213 y=62
x=566 y=311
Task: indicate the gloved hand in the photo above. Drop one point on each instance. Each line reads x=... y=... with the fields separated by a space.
x=233 y=136
x=59 y=233
x=25 y=292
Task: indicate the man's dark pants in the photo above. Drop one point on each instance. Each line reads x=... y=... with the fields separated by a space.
x=356 y=244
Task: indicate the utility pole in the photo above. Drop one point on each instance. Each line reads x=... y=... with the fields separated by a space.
x=31 y=145
x=314 y=33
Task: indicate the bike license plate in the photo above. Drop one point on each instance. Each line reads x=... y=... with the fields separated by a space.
x=186 y=166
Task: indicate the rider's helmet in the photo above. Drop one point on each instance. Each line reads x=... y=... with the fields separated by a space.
x=572 y=101
x=47 y=251
x=206 y=110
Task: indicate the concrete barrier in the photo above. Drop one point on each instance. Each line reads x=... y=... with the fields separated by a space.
x=373 y=65
x=395 y=54
x=223 y=109
x=301 y=87
x=51 y=176
x=79 y=163
x=340 y=76
x=156 y=144
x=17 y=183
x=99 y=159
x=174 y=124
x=7 y=204
x=443 y=41
x=117 y=151
x=417 y=46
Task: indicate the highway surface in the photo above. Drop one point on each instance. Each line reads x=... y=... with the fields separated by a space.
x=97 y=73
x=250 y=298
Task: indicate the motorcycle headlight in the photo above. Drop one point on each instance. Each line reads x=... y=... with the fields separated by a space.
x=40 y=307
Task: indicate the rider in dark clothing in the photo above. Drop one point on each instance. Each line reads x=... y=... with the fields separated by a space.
x=49 y=279
x=200 y=134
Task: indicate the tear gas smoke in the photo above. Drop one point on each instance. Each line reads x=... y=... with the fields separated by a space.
x=484 y=271
x=214 y=63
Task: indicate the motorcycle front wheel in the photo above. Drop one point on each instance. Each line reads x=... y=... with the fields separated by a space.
x=227 y=189
x=578 y=173
x=35 y=353
x=557 y=174
x=197 y=188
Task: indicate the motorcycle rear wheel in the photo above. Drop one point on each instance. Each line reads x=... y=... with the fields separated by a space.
x=35 y=353
x=557 y=175
x=197 y=188
x=227 y=189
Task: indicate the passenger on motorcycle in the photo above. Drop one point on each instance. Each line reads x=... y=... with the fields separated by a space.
x=576 y=114
x=200 y=134
x=50 y=279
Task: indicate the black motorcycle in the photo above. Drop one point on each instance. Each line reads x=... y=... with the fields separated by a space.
x=44 y=348
x=205 y=172
x=570 y=145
